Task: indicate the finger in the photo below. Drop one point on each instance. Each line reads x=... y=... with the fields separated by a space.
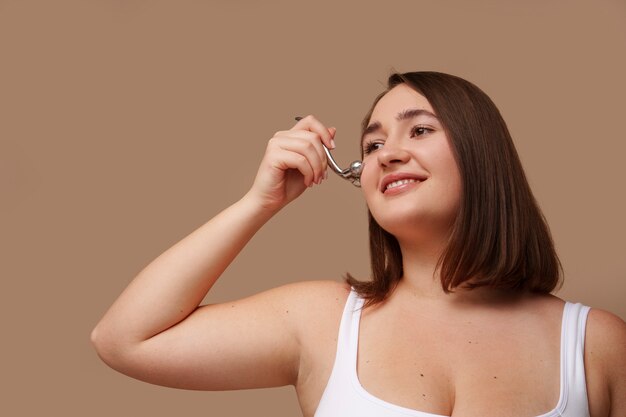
x=292 y=160
x=308 y=144
x=317 y=143
x=285 y=159
x=312 y=124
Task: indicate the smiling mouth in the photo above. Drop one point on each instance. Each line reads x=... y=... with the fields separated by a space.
x=399 y=183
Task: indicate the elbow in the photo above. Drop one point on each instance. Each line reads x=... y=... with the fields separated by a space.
x=97 y=341
x=108 y=348
x=120 y=355
x=102 y=346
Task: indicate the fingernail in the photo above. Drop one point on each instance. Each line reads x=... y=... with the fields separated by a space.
x=332 y=143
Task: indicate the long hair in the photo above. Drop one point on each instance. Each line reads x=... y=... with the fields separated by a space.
x=500 y=237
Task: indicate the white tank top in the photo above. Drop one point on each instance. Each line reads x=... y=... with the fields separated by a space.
x=344 y=396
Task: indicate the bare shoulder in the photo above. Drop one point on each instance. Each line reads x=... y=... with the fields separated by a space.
x=302 y=295
x=605 y=357
x=322 y=291
x=304 y=305
x=317 y=310
x=310 y=299
x=606 y=337
x=318 y=307
x=312 y=291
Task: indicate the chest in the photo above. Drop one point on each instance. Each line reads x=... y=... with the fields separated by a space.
x=462 y=368
x=500 y=368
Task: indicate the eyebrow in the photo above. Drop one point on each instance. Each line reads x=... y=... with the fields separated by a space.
x=403 y=115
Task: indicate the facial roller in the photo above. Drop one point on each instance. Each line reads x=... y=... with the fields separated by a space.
x=352 y=173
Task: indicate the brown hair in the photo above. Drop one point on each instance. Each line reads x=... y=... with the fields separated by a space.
x=499 y=238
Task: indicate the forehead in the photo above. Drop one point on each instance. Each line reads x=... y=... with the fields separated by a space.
x=399 y=98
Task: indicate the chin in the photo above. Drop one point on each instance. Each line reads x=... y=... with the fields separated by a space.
x=402 y=223
x=414 y=225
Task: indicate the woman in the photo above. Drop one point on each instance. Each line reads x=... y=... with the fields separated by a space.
x=458 y=318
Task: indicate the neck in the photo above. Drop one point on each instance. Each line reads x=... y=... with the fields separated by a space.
x=419 y=266
x=421 y=280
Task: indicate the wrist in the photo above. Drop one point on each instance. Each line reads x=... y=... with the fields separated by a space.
x=255 y=208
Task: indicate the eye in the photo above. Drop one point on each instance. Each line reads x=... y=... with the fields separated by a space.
x=420 y=130
x=371 y=147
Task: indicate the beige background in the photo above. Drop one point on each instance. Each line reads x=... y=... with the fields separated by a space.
x=125 y=125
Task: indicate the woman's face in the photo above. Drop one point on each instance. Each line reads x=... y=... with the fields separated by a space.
x=410 y=179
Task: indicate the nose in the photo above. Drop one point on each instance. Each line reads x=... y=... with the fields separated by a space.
x=392 y=153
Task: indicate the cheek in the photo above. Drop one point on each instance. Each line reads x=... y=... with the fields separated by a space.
x=366 y=174
x=445 y=165
x=446 y=176
x=369 y=183
x=453 y=184
x=451 y=172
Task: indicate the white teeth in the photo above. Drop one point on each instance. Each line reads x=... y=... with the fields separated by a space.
x=399 y=183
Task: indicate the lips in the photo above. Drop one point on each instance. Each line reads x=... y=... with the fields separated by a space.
x=400 y=176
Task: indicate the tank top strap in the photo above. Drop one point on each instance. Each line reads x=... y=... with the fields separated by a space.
x=348 y=333
x=573 y=380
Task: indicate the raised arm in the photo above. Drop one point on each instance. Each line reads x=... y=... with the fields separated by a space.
x=155 y=330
